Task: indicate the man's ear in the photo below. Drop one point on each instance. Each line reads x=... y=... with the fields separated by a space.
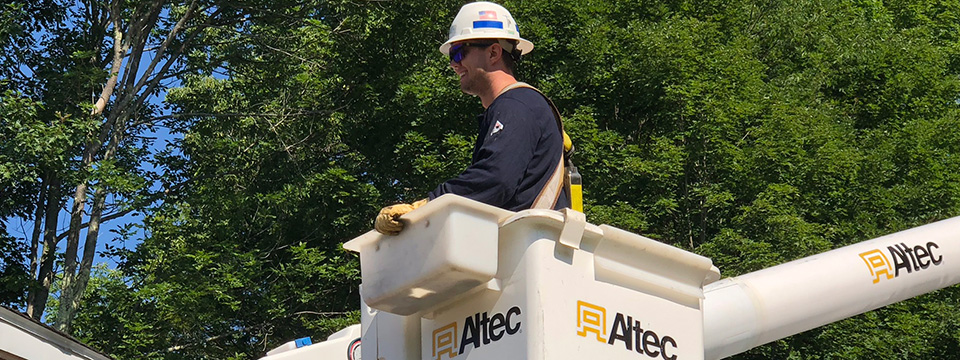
x=495 y=53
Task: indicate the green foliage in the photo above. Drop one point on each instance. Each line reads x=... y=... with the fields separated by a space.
x=23 y=143
x=754 y=133
x=14 y=277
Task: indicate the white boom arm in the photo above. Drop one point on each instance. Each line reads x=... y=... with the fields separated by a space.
x=747 y=311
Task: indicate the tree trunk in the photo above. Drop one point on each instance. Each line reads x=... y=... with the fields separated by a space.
x=73 y=240
x=68 y=296
x=75 y=283
x=37 y=233
x=71 y=296
x=39 y=295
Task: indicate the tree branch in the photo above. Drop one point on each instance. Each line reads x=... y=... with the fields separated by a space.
x=102 y=220
x=229 y=115
x=107 y=91
x=166 y=43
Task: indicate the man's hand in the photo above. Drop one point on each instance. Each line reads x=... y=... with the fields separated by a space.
x=388 y=221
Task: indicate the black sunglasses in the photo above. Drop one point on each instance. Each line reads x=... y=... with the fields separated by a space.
x=456 y=51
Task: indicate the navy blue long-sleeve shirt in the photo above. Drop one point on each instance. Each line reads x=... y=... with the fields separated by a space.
x=518 y=148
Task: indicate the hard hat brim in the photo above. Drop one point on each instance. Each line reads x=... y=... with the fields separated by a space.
x=524 y=45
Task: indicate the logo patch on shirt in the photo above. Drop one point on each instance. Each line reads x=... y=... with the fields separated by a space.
x=497 y=127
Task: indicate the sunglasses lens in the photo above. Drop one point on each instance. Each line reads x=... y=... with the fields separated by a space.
x=456 y=53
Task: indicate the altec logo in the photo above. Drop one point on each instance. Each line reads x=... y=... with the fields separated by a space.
x=592 y=319
x=906 y=258
x=478 y=330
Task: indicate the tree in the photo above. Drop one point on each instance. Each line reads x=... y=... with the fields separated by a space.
x=21 y=145
x=124 y=53
x=245 y=254
x=753 y=133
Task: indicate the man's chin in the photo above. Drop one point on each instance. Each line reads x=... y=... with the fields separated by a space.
x=466 y=89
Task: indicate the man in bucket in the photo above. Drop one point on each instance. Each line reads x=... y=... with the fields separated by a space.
x=518 y=158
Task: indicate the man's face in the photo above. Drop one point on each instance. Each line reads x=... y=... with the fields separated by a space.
x=472 y=66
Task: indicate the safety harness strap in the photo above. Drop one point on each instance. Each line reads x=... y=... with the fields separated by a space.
x=550 y=193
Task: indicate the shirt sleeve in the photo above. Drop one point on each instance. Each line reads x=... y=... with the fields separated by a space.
x=502 y=159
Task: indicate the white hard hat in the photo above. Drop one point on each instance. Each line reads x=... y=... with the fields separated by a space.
x=485 y=20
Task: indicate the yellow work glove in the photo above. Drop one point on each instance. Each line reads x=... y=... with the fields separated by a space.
x=388 y=221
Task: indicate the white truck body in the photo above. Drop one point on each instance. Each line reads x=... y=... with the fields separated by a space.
x=469 y=281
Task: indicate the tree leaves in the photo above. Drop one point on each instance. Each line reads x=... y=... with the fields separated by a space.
x=753 y=133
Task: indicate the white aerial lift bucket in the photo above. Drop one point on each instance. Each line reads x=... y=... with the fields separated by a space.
x=466 y=280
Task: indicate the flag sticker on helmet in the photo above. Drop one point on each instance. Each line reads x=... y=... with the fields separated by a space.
x=488 y=15
x=488 y=24
x=497 y=127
